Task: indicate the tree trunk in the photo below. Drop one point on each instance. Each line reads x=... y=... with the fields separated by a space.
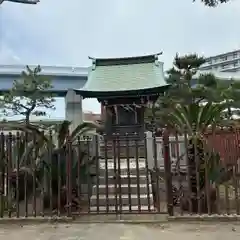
x=27 y=118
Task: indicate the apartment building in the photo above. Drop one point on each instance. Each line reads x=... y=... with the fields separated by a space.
x=225 y=62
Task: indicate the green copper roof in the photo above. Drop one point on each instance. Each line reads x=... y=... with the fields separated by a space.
x=115 y=76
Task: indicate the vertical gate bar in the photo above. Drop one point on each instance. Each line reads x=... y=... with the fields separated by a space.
x=235 y=172
x=137 y=169
x=227 y=196
x=168 y=172
x=67 y=179
x=186 y=143
x=235 y=184
x=96 y=143
x=128 y=174
x=26 y=178
x=147 y=173
x=80 y=156
x=213 y=133
x=69 y=176
x=42 y=193
x=17 y=172
x=156 y=175
x=115 y=176
x=59 y=191
x=106 y=172
x=207 y=181
x=176 y=146
x=232 y=150
x=9 y=166
x=230 y=144
x=33 y=163
x=25 y=194
x=7 y=176
x=197 y=169
x=229 y=149
x=226 y=186
x=89 y=187
x=119 y=173
x=50 y=174
x=2 y=147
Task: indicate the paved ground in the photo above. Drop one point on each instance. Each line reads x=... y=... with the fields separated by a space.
x=174 y=231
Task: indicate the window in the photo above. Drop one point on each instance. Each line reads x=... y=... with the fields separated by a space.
x=209 y=61
x=235 y=55
x=224 y=66
x=223 y=58
x=235 y=64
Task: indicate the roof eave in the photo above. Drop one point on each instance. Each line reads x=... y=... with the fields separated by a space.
x=125 y=93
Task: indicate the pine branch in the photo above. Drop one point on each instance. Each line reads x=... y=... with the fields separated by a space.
x=213 y=3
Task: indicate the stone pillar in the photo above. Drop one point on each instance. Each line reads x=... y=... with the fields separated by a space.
x=150 y=150
x=73 y=109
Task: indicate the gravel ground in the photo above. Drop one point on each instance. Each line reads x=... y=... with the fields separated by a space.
x=186 y=231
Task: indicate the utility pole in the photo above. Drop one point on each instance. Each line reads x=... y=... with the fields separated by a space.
x=21 y=1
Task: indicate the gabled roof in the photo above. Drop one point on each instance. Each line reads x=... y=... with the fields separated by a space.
x=124 y=76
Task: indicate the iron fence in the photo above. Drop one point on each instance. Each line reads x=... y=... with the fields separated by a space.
x=207 y=179
x=171 y=174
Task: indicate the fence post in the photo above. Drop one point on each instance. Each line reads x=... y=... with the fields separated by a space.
x=95 y=145
x=168 y=173
x=150 y=152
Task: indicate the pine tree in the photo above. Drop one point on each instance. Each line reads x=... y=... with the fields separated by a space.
x=213 y=3
x=29 y=95
x=180 y=77
x=188 y=86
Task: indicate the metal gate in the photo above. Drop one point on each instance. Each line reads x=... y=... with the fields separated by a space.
x=120 y=175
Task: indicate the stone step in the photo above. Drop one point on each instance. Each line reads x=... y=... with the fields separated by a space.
x=111 y=201
x=123 y=163
x=132 y=189
x=124 y=171
x=133 y=179
x=124 y=208
x=126 y=166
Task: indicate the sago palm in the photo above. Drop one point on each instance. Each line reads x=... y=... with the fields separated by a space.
x=41 y=155
x=194 y=120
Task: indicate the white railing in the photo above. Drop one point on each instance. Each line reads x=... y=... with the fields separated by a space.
x=46 y=70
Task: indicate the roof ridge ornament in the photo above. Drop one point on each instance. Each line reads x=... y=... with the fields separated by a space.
x=156 y=58
x=93 y=62
x=158 y=54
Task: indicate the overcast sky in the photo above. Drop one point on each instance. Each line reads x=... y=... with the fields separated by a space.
x=58 y=32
